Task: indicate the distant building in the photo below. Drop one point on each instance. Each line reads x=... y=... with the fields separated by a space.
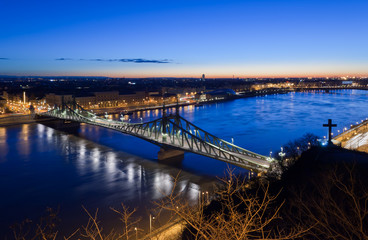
x=86 y=100
x=220 y=94
x=107 y=99
x=2 y=105
x=15 y=96
x=347 y=82
x=99 y=99
x=184 y=91
x=53 y=99
x=203 y=77
x=134 y=97
x=2 y=101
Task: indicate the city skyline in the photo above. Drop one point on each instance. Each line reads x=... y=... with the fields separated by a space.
x=184 y=38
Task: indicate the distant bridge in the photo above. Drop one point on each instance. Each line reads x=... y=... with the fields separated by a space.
x=170 y=132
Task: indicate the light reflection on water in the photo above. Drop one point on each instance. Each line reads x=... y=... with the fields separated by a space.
x=68 y=171
x=100 y=168
x=4 y=146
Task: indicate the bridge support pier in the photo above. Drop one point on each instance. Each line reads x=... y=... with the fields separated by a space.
x=169 y=154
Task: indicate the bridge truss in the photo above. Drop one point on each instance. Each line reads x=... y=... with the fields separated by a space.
x=170 y=131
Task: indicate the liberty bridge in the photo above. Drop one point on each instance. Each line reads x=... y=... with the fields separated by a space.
x=173 y=133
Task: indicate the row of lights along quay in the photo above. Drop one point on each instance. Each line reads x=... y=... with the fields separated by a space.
x=17 y=94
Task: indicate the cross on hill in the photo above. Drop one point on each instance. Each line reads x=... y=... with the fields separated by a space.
x=329 y=125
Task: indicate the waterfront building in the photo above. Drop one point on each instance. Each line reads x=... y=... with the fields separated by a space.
x=53 y=99
x=139 y=97
x=86 y=100
x=220 y=94
x=107 y=99
x=92 y=100
x=2 y=105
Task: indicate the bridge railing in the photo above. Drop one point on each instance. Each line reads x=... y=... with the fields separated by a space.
x=208 y=137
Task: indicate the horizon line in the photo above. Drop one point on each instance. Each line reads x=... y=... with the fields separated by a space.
x=191 y=76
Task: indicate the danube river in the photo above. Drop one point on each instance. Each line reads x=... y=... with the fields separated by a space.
x=98 y=168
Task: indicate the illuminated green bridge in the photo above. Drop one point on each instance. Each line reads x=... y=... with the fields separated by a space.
x=171 y=132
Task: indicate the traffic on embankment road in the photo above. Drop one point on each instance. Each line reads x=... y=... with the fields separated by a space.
x=355 y=138
x=16 y=119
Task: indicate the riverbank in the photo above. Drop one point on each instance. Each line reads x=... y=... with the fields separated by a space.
x=17 y=119
x=194 y=103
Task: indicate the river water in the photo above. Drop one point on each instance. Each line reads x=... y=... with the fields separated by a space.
x=98 y=168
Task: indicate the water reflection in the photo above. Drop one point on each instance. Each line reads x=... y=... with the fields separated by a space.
x=4 y=147
x=23 y=145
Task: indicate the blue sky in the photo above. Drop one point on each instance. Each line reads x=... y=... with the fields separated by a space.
x=184 y=38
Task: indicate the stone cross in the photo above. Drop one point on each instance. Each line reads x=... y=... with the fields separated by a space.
x=329 y=125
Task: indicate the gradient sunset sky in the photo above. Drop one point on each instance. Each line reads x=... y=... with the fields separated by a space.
x=177 y=38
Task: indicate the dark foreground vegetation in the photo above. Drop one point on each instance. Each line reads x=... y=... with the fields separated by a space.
x=323 y=194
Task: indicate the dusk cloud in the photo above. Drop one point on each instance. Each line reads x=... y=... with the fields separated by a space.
x=141 y=60
x=63 y=59
x=126 y=60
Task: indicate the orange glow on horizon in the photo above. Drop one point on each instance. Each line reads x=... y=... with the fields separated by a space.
x=208 y=75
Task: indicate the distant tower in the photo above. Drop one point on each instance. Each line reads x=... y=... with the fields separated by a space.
x=203 y=77
x=24 y=97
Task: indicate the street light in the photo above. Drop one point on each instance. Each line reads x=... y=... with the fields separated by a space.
x=136 y=233
x=282 y=154
x=151 y=218
x=199 y=199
